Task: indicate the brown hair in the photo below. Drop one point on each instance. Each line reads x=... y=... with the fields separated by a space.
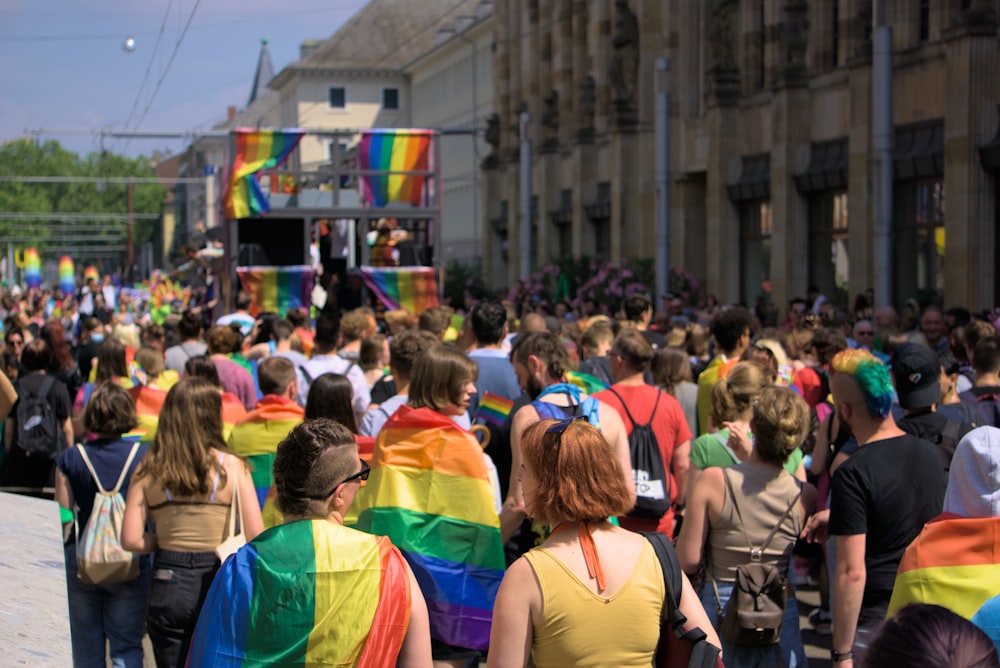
x=150 y=359
x=220 y=340
x=780 y=424
x=355 y=324
x=190 y=426
x=331 y=396
x=671 y=367
x=545 y=346
x=405 y=348
x=62 y=352
x=577 y=477
x=633 y=348
x=733 y=396
x=598 y=333
x=275 y=374
x=372 y=348
x=928 y=636
x=110 y=411
x=302 y=472
x=435 y=320
x=111 y=360
x=439 y=375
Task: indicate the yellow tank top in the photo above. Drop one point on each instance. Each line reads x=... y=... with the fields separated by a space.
x=581 y=628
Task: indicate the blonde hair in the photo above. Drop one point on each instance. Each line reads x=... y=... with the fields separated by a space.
x=780 y=424
x=733 y=396
x=127 y=335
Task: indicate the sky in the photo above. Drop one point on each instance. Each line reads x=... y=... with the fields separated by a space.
x=62 y=65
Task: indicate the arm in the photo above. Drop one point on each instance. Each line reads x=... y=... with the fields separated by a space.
x=416 y=648
x=68 y=432
x=8 y=434
x=681 y=464
x=849 y=581
x=512 y=513
x=692 y=608
x=8 y=395
x=250 y=517
x=694 y=529
x=511 y=634
x=614 y=432
x=821 y=451
x=800 y=472
x=134 y=536
x=64 y=493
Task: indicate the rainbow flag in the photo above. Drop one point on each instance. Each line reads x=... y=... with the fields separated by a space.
x=589 y=384
x=256 y=150
x=91 y=273
x=308 y=593
x=32 y=268
x=494 y=409
x=429 y=492
x=67 y=275
x=393 y=152
x=277 y=289
x=148 y=403
x=412 y=288
x=954 y=562
x=256 y=437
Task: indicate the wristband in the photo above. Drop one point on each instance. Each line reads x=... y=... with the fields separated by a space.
x=837 y=657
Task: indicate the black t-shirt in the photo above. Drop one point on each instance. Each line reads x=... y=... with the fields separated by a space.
x=931 y=426
x=383 y=390
x=58 y=396
x=888 y=490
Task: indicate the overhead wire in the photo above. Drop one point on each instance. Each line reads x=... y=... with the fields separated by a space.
x=149 y=66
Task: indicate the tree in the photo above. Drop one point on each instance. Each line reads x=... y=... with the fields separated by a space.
x=25 y=157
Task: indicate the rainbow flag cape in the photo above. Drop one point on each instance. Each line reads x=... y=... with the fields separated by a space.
x=32 y=268
x=412 y=288
x=394 y=152
x=256 y=150
x=67 y=275
x=589 y=384
x=148 y=403
x=429 y=492
x=494 y=409
x=277 y=289
x=256 y=437
x=308 y=593
x=954 y=562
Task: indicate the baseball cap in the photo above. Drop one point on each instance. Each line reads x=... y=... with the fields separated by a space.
x=917 y=372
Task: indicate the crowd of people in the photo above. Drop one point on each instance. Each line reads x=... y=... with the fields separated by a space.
x=451 y=487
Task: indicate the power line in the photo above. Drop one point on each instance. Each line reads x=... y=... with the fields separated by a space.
x=56 y=215
x=149 y=66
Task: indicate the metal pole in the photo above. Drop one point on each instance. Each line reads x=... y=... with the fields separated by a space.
x=526 y=220
x=439 y=223
x=882 y=140
x=662 y=138
x=130 y=250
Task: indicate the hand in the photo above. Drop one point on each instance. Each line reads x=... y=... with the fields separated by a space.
x=739 y=439
x=817 y=528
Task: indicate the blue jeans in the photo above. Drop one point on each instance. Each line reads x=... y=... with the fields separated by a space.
x=793 y=654
x=112 y=614
x=178 y=588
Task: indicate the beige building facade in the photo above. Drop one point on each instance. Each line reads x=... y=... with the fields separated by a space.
x=771 y=164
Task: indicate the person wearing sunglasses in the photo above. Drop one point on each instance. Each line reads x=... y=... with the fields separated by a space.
x=312 y=590
x=592 y=593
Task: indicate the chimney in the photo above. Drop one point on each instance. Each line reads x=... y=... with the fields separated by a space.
x=308 y=48
x=231 y=112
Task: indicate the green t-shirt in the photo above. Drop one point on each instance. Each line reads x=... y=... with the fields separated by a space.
x=710 y=450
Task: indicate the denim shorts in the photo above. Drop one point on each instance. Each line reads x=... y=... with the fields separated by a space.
x=178 y=588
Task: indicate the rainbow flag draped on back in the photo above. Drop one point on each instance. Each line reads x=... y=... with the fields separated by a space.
x=308 y=593
x=412 y=288
x=256 y=150
x=392 y=152
x=277 y=289
x=954 y=562
x=589 y=384
x=256 y=437
x=429 y=492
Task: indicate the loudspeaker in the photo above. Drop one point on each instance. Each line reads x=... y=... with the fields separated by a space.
x=275 y=242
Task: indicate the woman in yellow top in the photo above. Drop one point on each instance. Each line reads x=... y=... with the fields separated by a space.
x=592 y=594
x=185 y=486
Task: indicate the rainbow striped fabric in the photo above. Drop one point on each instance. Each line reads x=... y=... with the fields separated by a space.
x=308 y=593
x=256 y=150
x=412 y=288
x=90 y=272
x=148 y=400
x=954 y=562
x=429 y=492
x=589 y=384
x=494 y=409
x=67 y=275
x=256 y=437
x=32 y=268
x=277 y=289
x=392 y=152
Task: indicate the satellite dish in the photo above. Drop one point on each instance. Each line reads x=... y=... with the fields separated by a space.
x=128 y=46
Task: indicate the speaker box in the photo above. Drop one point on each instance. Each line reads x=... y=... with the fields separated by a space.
x=279 y=242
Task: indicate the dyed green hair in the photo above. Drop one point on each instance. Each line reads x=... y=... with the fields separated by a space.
x=872 y=377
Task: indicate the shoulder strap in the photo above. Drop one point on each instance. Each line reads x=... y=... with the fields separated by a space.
x=757 y=553
x=308 y=376
x=90 y=467
x=43 y=392
x=128 y=463
x=951 y=430
x=628 y=413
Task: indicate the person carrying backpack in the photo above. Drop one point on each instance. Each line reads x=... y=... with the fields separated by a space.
x=38 y=427
x=658 y=435
x=91 y=478
x=746 y=518
x=984 y=398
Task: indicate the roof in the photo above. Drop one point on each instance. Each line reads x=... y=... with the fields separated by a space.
x=264 y=73
x=384 y=34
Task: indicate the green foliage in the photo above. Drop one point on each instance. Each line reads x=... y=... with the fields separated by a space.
x=27 y=158
x=461 y=279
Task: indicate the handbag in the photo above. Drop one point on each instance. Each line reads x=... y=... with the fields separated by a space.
x=234 y=541
x=679 y=647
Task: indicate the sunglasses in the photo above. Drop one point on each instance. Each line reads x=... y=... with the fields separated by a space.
x=559 y=427
x=360 y=475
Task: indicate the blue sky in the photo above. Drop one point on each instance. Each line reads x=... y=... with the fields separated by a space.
x=62 y=65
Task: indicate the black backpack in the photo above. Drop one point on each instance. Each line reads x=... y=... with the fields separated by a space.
x=38 y=430
x=986 y=407
x=652 y=479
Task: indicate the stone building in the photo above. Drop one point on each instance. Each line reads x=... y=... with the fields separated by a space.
x=770 y=142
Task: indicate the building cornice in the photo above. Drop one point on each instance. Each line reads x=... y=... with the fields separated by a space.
x=286 y=75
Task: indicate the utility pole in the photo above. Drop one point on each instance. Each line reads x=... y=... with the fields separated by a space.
x=130 y=243
x=662 y=139
x=882 y=140
x=526 y=218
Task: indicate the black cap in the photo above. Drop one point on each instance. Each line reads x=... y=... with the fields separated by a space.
x=917 y=372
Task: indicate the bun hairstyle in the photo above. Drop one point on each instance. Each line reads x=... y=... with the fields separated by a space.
x=733 y=396
x=780 y=423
